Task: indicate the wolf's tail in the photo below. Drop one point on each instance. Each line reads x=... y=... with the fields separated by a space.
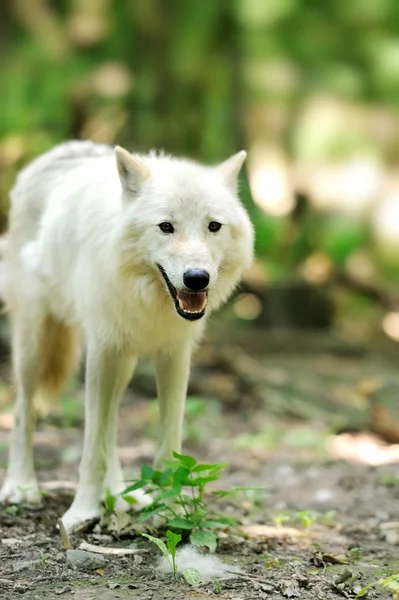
x=59 y=361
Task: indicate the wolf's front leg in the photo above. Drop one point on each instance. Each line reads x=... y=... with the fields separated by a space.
x=172 y=372
x=20 y=484
x=107 y=375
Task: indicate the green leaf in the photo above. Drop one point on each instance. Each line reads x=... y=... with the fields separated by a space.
x=110 y=501
x=204 y=467
x=173 y=540
x=129 y=499
x=198 y=514
x=147 y=472
x=172 y=464
x=192 y=576
x=224 y=493
x=166 y=477
x=135 y=486
x=204 y=538
x=181 y=476
x=180 y=523
x=186 y=498
x=150 y=511
x=172 y=493
x=392 y=583
x=161 y=545
x=363 y=591
x=211 y=524
x=203 y=480
x=187 y=461
x=161 y=478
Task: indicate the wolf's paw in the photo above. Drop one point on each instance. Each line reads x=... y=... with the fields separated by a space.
x=77 y=517
x=16 y=492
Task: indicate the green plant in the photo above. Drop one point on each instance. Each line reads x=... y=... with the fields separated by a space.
x=10 y=510
x=179 y=498
x=273 y=562
x=168 y=549
x=192 y=576
x=390 y=480
x=391 y=583
x=306 y=518
x=109 y=501
x=278 y=520
x=356 y=554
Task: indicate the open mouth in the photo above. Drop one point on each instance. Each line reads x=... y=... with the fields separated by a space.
x=189 y=305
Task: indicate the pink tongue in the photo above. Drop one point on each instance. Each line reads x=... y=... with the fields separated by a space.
x=192 y=302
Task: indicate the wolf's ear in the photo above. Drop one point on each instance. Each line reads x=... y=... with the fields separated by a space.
x=230 y=168
x=132 y=170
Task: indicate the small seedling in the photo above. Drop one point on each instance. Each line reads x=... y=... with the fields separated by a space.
x=390 y=583
x=273 y=562
x=43 y=557
x=168 y=549
x=109 y=502
x=10 y=510
x=179 y=494
x=217 y=587
x=306 y=518
x=173 y=540
x=356 y=554
x=278 y=520
x=390 y=480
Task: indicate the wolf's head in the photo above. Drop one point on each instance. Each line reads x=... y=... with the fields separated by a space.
x=185 y=228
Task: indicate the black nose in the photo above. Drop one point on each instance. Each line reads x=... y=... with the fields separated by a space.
x=196 y=279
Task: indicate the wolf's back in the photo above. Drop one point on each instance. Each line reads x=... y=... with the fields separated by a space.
x=56 y=161
x=36 y=181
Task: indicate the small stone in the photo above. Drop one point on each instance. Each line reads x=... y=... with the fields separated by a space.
x=113 y=586
x=268 y=589
x=63 y=590
x=80 y=559
x=137 y=559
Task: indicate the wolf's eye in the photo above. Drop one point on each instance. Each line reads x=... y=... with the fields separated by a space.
x=214 y=226
x=166 y=227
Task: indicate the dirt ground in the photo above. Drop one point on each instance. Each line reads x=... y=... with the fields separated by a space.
x=324 y=525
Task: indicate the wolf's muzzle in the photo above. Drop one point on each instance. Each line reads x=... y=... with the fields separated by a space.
x=191 y=303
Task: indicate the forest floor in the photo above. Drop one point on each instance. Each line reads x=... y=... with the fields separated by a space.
x=324 y=525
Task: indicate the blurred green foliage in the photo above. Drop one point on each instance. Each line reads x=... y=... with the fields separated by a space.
x=205 y=79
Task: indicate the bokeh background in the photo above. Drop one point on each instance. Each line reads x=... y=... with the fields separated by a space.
x=311 y=90
x=296 y=385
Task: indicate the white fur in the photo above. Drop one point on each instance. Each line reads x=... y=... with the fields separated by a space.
x=209 y=566
x=83 y=248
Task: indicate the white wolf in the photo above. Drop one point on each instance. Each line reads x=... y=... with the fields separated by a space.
x=128 y=254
